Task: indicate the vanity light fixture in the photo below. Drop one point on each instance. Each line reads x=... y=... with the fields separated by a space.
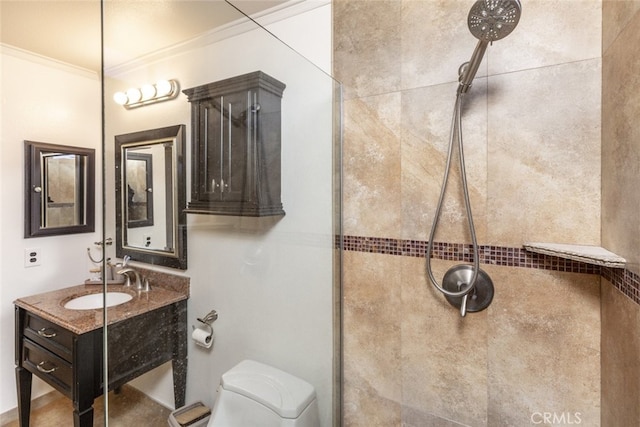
x=162 y=90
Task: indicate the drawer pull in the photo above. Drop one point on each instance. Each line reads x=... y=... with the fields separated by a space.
x=44 y=370
x=44 y=332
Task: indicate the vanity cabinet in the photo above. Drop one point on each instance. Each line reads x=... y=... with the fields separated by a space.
x=72 y=363
x=236 y=147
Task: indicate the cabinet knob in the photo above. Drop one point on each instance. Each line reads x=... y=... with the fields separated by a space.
x=37 y=189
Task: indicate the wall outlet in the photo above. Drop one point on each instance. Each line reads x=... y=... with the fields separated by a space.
x=32 y=257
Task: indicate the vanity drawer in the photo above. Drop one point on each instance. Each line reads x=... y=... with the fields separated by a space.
x=46 y=365
x=50 y=336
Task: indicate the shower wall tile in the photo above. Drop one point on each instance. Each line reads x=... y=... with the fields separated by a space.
x=544 y=346
x=620 y=148
x=444 y=356
x=435 y=42
x=371 y=160
x=412 y=417
x=366 y=46
x=371 y=340
x=544 y=155
x=531 y=136
x=620 y=349
x=550 y=32
x=426 y=123
x=620 y=206
x=410 y=359
x=616 y=15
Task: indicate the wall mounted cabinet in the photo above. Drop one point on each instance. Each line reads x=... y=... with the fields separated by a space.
x=236 y=147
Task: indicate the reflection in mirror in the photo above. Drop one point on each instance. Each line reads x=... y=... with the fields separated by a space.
x=150 y=196
x=139 y=173
x=59 y=189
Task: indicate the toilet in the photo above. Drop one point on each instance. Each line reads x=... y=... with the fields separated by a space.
x=254 y=394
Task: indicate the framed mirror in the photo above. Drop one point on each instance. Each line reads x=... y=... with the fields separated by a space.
x=59 y=189
x=151 y=196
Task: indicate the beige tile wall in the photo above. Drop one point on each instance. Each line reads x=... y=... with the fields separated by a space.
x=620 y=206
x=620 y=135
x=620 y=369
x=532 y=149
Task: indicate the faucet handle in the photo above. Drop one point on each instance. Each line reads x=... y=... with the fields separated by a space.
x=127 y=280
x=144 y=284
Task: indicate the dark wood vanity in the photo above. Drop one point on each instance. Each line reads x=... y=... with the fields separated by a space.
x=65 y=347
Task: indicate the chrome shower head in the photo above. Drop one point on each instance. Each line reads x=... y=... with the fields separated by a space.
x=491 y=20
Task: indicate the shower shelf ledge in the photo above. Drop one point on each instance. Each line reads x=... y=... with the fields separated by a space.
x=584 y=253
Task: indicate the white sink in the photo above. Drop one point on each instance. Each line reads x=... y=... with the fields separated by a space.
x=93 y=301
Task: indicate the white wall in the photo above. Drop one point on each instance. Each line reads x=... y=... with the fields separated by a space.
x=47 y=102
x=270 y=281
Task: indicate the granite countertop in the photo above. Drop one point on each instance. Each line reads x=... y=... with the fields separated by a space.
x=50 y=305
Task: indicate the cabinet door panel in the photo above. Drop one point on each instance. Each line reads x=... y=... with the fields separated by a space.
x=235 y=149
x=211 y=149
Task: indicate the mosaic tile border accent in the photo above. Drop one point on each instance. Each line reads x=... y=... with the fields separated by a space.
x=624 y=280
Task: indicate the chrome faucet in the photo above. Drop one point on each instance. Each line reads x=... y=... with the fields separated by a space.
x=142 y=283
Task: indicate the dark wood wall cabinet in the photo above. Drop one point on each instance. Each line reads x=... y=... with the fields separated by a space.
x=236 y=148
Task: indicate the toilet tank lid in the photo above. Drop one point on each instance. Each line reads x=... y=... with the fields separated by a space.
x=280 y=391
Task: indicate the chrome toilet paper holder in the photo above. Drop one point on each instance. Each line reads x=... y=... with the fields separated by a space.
x=207 y=320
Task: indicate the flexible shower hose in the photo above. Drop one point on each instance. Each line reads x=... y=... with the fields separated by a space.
x=456 y=129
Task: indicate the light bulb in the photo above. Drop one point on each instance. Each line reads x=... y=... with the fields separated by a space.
x=120 y=98
x=134 y=95
x=164 y=88
x=148 y=91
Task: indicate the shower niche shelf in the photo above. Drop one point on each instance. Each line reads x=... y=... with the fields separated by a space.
x=585 y=253
x=236 y=147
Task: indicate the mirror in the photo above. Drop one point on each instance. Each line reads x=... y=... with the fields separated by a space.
x=150 y=196
x=59 y=189
x=139 y=173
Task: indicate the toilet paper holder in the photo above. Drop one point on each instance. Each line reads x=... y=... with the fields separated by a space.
x=207 y=320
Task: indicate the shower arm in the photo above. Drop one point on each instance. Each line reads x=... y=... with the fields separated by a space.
x=469 y=69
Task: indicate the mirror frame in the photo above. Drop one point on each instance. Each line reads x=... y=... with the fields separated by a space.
x=178 y=257
x=34 y=179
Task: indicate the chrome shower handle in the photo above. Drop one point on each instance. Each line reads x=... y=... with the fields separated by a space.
x=463 y=305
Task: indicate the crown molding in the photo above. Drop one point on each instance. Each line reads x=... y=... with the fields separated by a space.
x=278 y=13
x=46 y=61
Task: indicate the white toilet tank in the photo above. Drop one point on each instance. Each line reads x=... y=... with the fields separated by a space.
x=252 y=394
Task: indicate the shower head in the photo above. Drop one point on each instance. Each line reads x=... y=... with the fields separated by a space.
x=492 y=20
x=489 y=20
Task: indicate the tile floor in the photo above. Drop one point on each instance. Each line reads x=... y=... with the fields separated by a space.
x=126 y=409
